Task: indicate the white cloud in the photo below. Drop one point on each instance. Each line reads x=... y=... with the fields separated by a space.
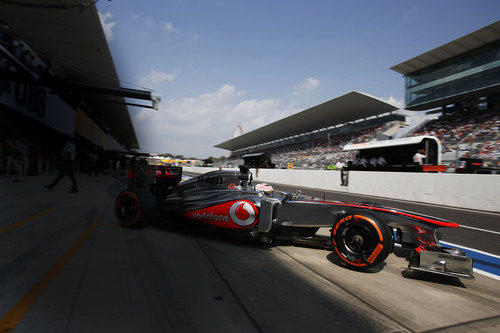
x=155 y=78
x=169 y=28
x=107 y=25
x=135 y=16
x=149 y=22
x=308 y=85
x=182 y=125
x=396 y=102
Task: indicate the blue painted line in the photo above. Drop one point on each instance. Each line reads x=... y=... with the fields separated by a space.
x=482 y=261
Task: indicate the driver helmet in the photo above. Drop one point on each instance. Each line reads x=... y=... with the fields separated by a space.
x=264 y=188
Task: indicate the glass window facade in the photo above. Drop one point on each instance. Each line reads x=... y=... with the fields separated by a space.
x=468 y=72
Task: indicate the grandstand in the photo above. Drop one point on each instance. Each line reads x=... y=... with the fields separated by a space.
x=459 y=80
x=314 y=138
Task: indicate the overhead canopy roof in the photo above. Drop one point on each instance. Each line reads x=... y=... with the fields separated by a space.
x=461 y=45
x=346 y=108
x=73 y=42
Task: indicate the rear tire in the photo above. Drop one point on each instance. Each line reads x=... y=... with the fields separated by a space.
x=361 y=240
x=133 y=209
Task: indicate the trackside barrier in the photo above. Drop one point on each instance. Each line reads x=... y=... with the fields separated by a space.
x=474 y=191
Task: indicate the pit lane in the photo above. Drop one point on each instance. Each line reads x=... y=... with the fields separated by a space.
x=71 y=268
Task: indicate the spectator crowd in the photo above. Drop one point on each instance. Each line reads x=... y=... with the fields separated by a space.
x=320 y=152
x=473 y=133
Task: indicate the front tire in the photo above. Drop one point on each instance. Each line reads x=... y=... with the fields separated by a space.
x=361 y=240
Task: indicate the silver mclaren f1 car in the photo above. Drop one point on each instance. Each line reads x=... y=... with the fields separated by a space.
x=362 y=234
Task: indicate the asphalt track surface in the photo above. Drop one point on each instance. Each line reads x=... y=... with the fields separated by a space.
x=66 y=266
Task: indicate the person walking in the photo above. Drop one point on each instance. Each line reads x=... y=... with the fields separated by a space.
x=20 y=162
x=7 y=148
x=68 y=155
x=93 y=164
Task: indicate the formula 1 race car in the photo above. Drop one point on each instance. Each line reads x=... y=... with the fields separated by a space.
x=362 y=234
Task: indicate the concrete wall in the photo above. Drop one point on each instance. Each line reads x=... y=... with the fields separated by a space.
x=456 y=190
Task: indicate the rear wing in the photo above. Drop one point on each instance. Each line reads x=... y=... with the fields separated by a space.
x=165 y=176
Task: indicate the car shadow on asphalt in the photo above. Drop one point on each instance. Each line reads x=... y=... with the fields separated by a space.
x=206 y=232
x=431 y=277
x=334 y=258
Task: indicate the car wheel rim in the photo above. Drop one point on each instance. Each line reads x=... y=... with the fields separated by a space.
x=128 y=209
x=357 y=240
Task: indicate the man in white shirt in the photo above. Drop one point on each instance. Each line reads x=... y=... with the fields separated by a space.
x=340 y=165
x=68 y=155
x=419 y=156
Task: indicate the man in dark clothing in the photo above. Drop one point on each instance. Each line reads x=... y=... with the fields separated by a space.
x=93 y=164
x=68 y=155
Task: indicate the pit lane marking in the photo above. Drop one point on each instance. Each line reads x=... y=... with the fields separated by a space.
x=471 y=249
x=26 y=220
x=479 y=229
x=490 y=275
x=17 y=312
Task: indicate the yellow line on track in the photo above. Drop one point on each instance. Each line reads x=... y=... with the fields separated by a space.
x=17 y=312
x=20 y=223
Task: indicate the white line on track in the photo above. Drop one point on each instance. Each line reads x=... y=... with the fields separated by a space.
x=470 y=249
x=484 y=230
x=493 y=276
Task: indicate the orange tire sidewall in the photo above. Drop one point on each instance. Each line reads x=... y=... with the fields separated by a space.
x=117 y=205
x=356 y=219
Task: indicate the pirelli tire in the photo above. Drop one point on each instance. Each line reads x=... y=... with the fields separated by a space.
x=134 y=208
x=361 y=240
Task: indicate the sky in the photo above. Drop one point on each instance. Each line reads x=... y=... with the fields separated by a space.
x=217 y=64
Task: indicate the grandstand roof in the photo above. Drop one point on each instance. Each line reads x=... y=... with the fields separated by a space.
x=346 y=108
x=449 y=50
x=69 y=35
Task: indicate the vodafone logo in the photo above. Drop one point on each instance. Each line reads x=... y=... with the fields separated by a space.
x=242 y=213
x=236 y=214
